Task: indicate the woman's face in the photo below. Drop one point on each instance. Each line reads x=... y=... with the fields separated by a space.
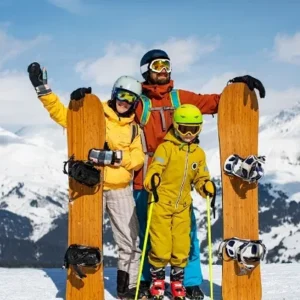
x=122 y=106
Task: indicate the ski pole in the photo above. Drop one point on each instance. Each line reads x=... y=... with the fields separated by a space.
x=154 y=198
x=209 y=248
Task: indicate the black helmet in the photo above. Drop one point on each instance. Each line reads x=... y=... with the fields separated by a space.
x=148 y=58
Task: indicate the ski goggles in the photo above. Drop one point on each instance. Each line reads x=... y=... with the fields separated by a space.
x=124 y=95
x=185 y=129
x=158 y=65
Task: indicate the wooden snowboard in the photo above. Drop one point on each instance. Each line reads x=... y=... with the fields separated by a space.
x=238 y=119
x=85 y=130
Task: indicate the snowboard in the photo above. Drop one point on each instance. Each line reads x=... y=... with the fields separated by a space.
x=238 y=122
x=85 y=130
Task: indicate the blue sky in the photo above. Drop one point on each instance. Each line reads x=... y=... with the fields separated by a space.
x=91 y=43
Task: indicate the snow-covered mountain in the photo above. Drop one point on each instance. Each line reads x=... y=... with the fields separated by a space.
x=34 y=197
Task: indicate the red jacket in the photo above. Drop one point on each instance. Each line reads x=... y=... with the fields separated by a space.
x=153 y=130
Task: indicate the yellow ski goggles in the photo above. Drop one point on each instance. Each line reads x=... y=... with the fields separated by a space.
x=185 y=129
x=158 y=65
x=126 y=96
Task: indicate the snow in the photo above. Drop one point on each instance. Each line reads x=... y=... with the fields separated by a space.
x=279 y=282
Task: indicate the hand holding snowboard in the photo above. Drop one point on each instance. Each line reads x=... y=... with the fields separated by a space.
x=252 y=84
x=80 y=93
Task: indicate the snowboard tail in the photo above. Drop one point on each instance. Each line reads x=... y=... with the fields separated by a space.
x=238 y=119
x=85 y=130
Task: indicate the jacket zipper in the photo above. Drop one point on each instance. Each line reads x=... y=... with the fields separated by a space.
x=184 y=178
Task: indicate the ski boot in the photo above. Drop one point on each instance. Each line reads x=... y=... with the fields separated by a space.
x=176 y=278
x=194 y=293
x=126 y=293
x=129 y=294
x=122 y=284
x=145 y=289
x=157 y=287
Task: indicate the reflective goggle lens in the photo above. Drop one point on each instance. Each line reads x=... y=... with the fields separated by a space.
x=189 y=129
x=158 y=65
x=129 y=97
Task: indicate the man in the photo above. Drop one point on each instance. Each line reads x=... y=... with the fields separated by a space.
x=154 y=114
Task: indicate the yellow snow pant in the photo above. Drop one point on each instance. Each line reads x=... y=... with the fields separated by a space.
x=170 y=234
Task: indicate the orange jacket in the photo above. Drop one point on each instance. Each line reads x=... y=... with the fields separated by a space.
x=153 y=130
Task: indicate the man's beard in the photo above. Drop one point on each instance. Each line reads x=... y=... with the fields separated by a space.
x=160 y=81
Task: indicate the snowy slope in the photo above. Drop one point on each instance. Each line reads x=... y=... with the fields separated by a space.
x=31 y=172
x=279 y=282
x=33 y=194
x=33 y=191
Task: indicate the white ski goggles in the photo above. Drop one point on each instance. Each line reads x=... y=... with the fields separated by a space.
x=158 y=65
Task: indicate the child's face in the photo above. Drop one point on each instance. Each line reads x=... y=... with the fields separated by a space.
x=187 y=138
x=122 y=106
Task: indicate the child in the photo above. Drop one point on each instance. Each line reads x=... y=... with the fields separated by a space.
x=181 y=164
x=117 y=196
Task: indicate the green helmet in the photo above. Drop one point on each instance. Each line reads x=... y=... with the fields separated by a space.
x=187 y=114
x=187 y=121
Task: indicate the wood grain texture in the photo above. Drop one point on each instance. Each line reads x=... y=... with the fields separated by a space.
x=238 y=118
x=85 y=130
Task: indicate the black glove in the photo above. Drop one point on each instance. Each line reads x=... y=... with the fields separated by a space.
x=39 y=79
x=80 y=93
x=252 y=84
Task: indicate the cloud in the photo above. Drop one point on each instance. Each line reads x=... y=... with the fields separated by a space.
x=19 y=102
x=72 y=6
x=186 y=52
x=216 y=84
x=10 y=47
x=124 y=58
x=277 y=100
x=287 y=48
x=118 y=60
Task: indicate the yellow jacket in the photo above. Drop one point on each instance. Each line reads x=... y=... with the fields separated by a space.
x=180 y=166
x=118 y=137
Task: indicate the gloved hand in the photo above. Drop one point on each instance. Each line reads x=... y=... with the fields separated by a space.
x=209 y=188
x=80 y=93
x=148 y=184
x=39 y=79
x=252 y=83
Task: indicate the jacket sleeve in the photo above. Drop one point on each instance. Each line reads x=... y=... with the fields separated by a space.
x=56 y=109
x=159 y=161
x=201 y=176
x=133 y=159
x=208 y=103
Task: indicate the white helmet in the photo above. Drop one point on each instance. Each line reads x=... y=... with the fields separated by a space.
x=129 y=84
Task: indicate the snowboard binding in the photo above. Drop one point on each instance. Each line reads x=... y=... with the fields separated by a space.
x=249 y=169
x=82 y=256
x=246 y=252
x=82 y=171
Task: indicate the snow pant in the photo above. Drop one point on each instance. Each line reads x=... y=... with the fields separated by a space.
x=170 y=234
x=120 y=206
x=193 y=273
